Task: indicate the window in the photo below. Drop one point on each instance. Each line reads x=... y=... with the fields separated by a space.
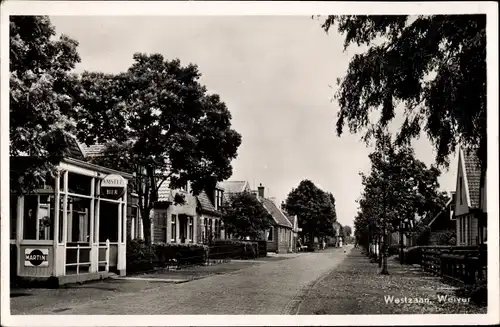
x=184 y=187
x=205 y=223
x=79 y=220
x=270 y=235
x=173 y=231
x=161 y=223
x=79 y=184
x=38 y=217
x=218 y=199
x=210 y=228
x=191 y=230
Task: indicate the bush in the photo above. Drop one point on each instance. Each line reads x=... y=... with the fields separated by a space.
x=233 y=249
x=181 y=254
x=140 y=257
x=412 y=255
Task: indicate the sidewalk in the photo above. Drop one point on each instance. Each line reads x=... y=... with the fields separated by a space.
x=356 y=287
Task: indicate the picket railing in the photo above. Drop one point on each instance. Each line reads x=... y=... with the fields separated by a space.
x=455 y=264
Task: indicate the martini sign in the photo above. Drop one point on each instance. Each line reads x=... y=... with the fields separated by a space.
x=113 y=187
x=36 y=257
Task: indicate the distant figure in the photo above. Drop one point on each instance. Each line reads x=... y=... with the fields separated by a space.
x=323 y=244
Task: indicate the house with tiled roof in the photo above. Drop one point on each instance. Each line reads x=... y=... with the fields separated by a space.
x=209 y=214
x=280 y=237
x=470 y=200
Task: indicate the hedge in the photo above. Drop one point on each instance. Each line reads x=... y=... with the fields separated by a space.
x=233 y=249
x=181 y=254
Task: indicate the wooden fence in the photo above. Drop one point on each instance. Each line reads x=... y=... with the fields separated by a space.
x=455 y=264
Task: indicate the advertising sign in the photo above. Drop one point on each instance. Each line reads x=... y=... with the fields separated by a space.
x=36 y=257
x=113 y=186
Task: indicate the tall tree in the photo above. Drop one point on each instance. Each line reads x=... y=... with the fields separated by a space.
x=42 y=89
x=160 y=123
x=314 y=208
x=399 y=187
x=245 y=216
x=435 y=66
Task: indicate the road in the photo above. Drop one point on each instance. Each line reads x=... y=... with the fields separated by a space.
x=274 y=287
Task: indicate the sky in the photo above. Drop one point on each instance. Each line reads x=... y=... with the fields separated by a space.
x=276 y=74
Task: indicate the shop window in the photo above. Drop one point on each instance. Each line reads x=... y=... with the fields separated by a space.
x=108 y=222
x=61 y=181
x=38 y=217
x=79 y=184
x=78 y=220
x=13 y=216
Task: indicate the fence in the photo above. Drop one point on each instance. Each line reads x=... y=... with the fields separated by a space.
x=455 y=264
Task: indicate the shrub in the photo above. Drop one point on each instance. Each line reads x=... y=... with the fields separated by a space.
x=181 y=254
x=140 y=257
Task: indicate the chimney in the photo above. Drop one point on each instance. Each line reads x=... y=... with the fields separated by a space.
x=261 y=190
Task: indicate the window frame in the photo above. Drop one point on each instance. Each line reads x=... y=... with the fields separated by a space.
x=173 y=228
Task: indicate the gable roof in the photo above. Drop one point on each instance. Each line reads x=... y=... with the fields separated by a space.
x=472 y=176
x=428 y=220
x=205 y=204
x=278 y=216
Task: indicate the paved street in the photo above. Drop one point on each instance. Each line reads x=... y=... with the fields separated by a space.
x=272 y=287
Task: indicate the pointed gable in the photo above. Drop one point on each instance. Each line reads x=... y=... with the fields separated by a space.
x=473 y=173
x=278 y=216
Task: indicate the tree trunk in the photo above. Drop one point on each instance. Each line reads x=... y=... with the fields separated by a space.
x=146 y=225
x=379 y=247
x=401 y=245
x=385 y=253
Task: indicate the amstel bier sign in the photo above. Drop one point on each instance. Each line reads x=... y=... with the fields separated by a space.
x=113 y=186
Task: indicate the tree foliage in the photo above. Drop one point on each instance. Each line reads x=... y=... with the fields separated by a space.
x=245 y=216
x=159 y=123
x=347 y=231
x=398 y=188
x=42 y=93
x=315 y=209
x=434 y=66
